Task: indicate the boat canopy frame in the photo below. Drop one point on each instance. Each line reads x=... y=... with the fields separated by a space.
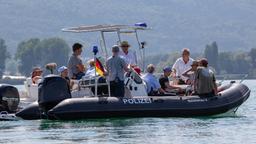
x=118 y=29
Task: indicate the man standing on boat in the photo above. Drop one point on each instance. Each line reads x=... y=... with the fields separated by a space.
x=75 y=64
x=116 y=67
x=128 y=55
x=181 y=65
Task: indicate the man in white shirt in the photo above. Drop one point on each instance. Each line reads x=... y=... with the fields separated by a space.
x=128 y=55
x=181 y=65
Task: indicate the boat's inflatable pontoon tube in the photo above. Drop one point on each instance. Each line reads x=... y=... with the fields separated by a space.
x=160 y=106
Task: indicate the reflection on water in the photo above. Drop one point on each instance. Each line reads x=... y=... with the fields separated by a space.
x=232 y=129
x=141 y=130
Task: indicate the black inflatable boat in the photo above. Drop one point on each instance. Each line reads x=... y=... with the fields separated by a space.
x=229 y=99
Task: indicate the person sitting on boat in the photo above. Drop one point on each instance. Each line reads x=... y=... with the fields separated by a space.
x=36 y=75
x=181 y=65
x=165 y=83
x=75 y=65
x=190 y=74
x=81 y=71
x=90 y=72
x=91 y=69
x=128 y=55
x=116 y=67
x=153 y=85
x=63 y=71
x=205 y=82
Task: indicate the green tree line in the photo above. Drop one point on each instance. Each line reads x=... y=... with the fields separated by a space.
x=36 y=52
x=4 y=54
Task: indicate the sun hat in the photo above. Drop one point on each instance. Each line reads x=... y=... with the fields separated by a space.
x=62 y=68
x=125 y=44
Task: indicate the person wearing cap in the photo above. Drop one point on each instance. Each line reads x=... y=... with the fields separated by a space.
x=128 y=55
x=165 y=83
x=75 y=64
x=181 y=65
x=63 y=72
x=190 y=74
x=116 y=67
x=153 y=85
x=205 y=82
x=36 y=75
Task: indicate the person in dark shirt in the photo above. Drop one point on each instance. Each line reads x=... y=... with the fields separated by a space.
x=63 y=71
x=205 y=82
x=165 y=83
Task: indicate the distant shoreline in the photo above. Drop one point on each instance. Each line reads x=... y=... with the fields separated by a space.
x=12 y=81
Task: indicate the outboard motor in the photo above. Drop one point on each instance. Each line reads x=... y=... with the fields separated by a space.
x=52 y=90
x=9 y=98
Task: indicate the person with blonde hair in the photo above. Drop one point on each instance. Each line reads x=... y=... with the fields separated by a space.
x=91 y=69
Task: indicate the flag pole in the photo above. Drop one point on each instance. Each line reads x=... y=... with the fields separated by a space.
x=95 y=51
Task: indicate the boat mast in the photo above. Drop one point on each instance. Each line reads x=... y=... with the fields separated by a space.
x=140 y=48
x=104 y=44
x=119 y=36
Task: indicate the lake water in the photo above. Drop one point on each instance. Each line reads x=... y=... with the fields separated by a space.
x=200 y=130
